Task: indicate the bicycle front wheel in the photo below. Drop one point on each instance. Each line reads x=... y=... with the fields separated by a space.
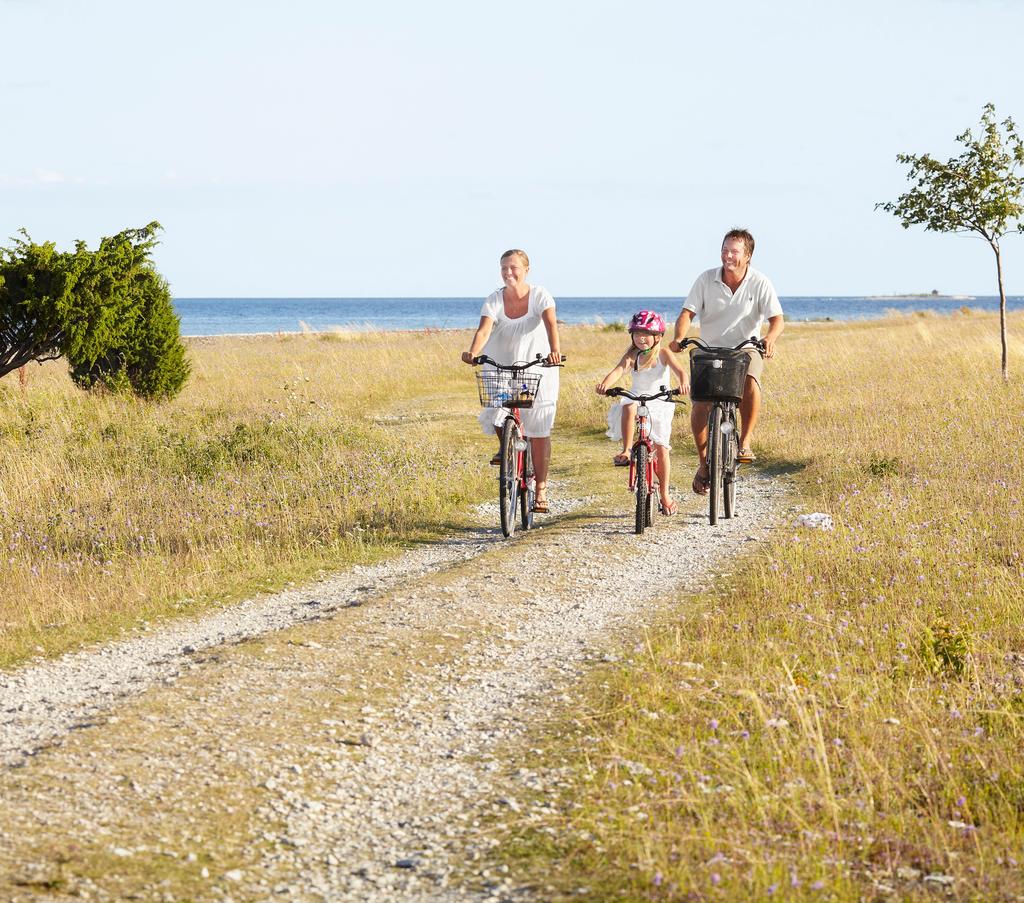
x=642 y=496
x=715 y=451
x=729 y=468
x=508 y=477
x=527 y=495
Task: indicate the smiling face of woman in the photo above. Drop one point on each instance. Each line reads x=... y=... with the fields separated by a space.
x=514 y=267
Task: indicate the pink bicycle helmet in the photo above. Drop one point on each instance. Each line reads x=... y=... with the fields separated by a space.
x=647 y=321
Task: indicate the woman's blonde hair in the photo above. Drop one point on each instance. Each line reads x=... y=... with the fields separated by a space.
x=516 y=252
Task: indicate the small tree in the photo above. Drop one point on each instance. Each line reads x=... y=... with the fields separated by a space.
x=107 y=311
x=978 y=191
x=147 y=358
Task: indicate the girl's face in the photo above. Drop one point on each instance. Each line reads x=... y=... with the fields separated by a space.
x=645 y=340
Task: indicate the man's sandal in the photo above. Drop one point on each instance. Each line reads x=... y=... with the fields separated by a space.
x=496 y=460
x=701 y=483
x=745 y=456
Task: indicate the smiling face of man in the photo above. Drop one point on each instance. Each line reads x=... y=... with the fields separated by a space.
x=735 y=258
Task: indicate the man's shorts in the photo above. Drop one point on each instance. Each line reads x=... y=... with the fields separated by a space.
x=756 y=365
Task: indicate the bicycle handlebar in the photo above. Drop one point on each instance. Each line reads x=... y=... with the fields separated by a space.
x=754 y=341
x=518 y=365
x=643 y=399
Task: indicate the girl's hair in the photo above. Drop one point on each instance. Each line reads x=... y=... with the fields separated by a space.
x=515 y=252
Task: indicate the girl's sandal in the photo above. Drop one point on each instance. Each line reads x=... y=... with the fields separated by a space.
x=621 y=460
x=540 y=505
x=670 y=509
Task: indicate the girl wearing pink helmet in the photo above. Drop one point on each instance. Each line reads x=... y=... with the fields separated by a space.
x=650 y=366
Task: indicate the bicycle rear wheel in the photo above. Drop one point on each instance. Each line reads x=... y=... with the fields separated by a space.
x=714 y=462
x=528 y=495
x=731 y=449
x=643 y=499
x=508 y=478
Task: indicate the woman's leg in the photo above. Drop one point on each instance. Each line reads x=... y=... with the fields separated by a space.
x=541 y=449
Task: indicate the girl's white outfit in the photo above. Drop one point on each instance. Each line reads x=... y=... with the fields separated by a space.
x=647 y=382
x=522 y=339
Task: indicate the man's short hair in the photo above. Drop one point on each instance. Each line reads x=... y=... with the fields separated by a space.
x=743 y=234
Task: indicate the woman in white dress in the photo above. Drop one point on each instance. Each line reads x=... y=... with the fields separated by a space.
x=517 y=323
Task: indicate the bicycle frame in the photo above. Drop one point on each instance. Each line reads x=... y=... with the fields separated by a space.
x=643 y=463
x=516 y=481
x=722 y=440
x=642 y=431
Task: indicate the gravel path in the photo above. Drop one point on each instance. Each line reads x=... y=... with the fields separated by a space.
x=353 y=758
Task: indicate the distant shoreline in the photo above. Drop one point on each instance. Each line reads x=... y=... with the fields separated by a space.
x=354 y=332
x=927 y=296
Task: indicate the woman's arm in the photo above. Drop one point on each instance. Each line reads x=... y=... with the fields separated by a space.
x=483 y=333
x=551 y=325
x=682 y=374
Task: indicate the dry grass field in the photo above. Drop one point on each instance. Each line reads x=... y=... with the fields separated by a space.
x=839 y=719
x=843 y=717
x=283 y=457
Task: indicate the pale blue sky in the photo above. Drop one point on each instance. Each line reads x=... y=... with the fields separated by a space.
x=396 y=148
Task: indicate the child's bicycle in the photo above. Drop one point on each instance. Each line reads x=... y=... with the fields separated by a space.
x=718 y=375
x=643 y=464
x=509 y=386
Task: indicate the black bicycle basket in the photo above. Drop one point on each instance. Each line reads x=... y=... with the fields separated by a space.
x=507 y=388
x=718 y=375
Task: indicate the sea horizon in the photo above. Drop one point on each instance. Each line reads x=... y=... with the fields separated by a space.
x=211 y=316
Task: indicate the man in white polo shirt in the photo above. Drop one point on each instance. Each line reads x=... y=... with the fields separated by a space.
x=731 y=303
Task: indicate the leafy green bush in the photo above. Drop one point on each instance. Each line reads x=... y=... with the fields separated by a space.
x=107 y=311
x=149 y=358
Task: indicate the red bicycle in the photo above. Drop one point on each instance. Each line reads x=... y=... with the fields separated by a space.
x=509 y=386
x=643 y=463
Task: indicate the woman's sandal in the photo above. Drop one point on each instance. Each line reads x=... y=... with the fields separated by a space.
x=669 y=509
x=621 y=460
x=540 y=506
x=496 y=460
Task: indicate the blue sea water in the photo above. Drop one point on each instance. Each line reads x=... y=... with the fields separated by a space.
x=227 y=316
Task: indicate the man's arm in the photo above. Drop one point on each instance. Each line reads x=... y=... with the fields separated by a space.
x=775 y=327
x=682 y=325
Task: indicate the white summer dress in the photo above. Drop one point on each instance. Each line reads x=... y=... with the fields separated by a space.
x=647 y=382
x=522 y=339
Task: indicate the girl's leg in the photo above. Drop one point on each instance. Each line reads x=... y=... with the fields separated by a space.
x=664 y=472
x=628 y=423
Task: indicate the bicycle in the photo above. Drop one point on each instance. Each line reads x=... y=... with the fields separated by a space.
x=509 y=386
x=718 y=376
x=643 y=464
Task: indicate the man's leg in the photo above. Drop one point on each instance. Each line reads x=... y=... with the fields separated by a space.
x=750 y=406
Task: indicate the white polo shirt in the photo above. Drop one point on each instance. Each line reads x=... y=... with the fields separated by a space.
x=727 y=317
